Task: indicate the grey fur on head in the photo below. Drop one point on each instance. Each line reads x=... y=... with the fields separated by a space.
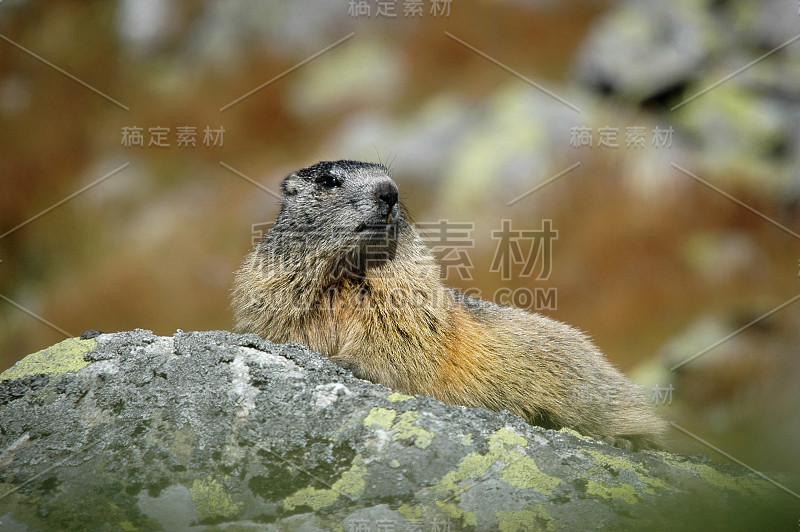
x=342 y=213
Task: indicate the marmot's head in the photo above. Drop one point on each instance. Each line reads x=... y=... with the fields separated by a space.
x=347 y=211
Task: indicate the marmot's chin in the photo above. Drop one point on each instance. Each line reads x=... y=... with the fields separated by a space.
x=376 y=226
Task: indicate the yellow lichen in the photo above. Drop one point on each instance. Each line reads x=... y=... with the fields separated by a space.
x=522 y=472
x=403 y=428
x=638 y=469
x=398 y=397
x=531 y=518
x=744 y=485
x=412 y=513
x=626 y=492
x=454 y=512
x=381 y=417
x=517 y=469
x=212 y=501
x=350 y=484
x=314 y=498
x=55 y=360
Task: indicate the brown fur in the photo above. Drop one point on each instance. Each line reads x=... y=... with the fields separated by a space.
x=395 y=323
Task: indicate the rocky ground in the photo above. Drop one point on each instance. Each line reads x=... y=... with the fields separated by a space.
x=214 y=430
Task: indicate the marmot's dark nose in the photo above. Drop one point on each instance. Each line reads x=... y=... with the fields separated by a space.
x=387 y=193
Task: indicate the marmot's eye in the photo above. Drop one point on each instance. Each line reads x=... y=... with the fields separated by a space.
x=329 y=181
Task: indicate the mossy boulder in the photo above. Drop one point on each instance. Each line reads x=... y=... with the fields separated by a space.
x=214 y=430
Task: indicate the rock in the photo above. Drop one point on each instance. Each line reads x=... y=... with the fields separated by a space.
x=473 y=152
x=213 y=431
x=726 y=74
x=422 y=143
x=368 y=72
x=518 y=140
x=644 y=48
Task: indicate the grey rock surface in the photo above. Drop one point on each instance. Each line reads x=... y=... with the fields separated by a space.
x=726 y=75
x=644 y=47
x=219 y=431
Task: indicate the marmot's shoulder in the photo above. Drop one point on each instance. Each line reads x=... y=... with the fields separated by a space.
x=480 y=309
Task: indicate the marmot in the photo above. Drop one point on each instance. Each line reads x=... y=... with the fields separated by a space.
x=345 y=273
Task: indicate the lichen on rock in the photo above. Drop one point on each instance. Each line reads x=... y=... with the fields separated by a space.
x=212 y=430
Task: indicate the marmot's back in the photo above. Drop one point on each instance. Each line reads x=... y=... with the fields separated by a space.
x=575 y=384
x=343 y=272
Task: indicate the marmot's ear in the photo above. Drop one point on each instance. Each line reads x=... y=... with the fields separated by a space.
x=289 y=185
